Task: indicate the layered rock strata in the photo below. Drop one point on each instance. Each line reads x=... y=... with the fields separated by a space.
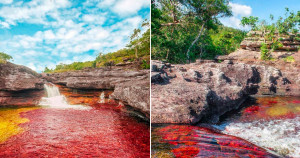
x=19 y=86
x=254 y=40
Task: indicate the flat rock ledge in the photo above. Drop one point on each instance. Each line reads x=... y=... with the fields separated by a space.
x=204 y=91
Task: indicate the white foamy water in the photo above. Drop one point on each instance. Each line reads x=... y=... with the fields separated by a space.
x=282 y=136
x=102 y=98
x=55 y=100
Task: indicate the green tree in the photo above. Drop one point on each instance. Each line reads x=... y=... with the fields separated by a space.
x=138 y=42
x=273 y=30
x=135 y=43
x=207 y=13
x=4 y=58
x=251 y=21
x=176 y=27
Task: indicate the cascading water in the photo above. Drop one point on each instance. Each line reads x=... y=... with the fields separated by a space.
x=281 y=136
x=102 y=98
x=273 y=123
x=55 y=100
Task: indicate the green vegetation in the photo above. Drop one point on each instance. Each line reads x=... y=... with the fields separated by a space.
x=289 y=59
x=4 y=57
x=265 y=53
x=274 y=31
x=137 y=51
x=184 y=30
x=73 y=66
x=251 y=21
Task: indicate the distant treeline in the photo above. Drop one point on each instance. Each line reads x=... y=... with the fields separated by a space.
x=137 y=49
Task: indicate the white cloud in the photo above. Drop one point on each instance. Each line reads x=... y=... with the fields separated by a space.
x=6 y=1
x=242 y=10
x=238 y=11
x=128 y=7
x=4 y=24
x=94 y=19
x=49 y=35
x=68 y=34
x=34 y=11
x=32 y=66
x=106 y=3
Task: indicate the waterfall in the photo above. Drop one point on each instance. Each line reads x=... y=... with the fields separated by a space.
x=102 y=98
x=55 y=100
x=52 y=90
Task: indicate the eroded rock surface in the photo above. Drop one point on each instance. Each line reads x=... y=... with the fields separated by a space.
x=289 y=84
x=205 y=91
x=135 y=93
x=19 y=85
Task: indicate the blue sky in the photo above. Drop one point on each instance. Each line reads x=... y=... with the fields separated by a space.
x=40 y=33
x=259 y=8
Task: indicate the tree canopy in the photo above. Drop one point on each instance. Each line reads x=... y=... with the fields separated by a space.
x=183 y=30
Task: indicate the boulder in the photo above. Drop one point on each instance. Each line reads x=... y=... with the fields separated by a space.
x=135 y=93
x=207 y=91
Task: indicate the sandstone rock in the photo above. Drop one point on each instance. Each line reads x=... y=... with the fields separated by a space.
x=290 y=71
x=207 y=91
x=82 y=96
x=19 y=85
x=135 y=93
x=201 y=92
x=94 y=78
x=254 y=40
x=21 y=98
x=15 y=78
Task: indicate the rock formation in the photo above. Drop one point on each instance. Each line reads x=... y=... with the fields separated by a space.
x=132 y=87
x=205 y=91
x=254 y=40
x=19 y=85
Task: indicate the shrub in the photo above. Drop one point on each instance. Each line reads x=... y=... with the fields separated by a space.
x=265 y=54
x=145 y=64
x=4 y=57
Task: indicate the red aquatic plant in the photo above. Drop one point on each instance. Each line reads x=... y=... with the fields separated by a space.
x=296 y=101
x=75 y=133
x=186 y=151
x=252 y=109
x=190 y=141
x=272 y=102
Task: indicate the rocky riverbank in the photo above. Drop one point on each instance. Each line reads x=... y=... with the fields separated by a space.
x=204 y=91
x=20 y=85
x=207 y=89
